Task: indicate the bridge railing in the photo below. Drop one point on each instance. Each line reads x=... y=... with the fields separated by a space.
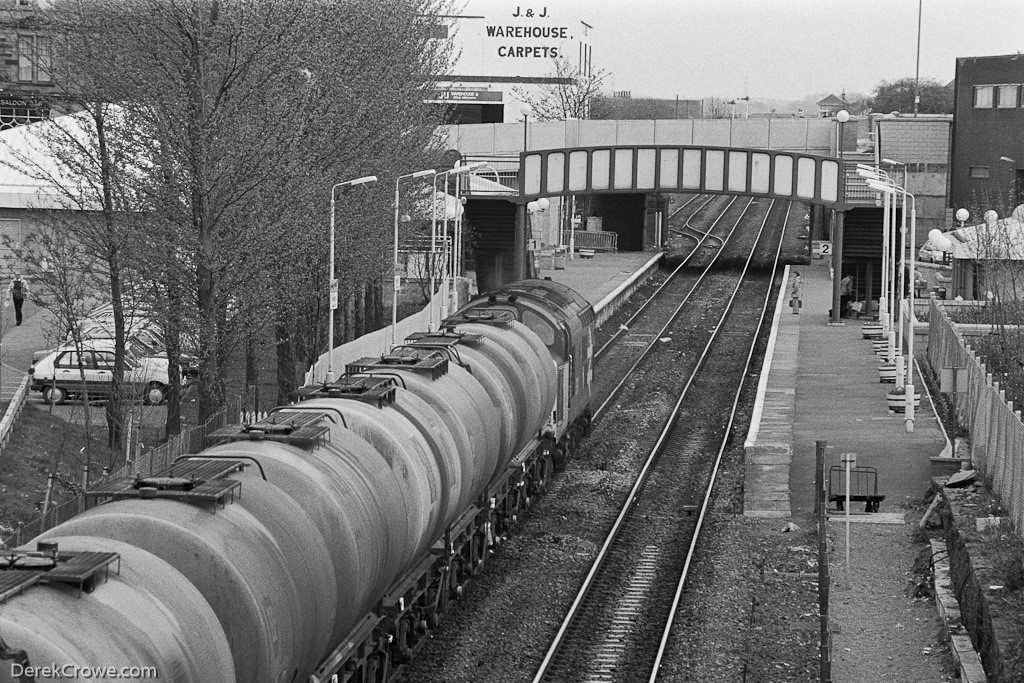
x=591 y=239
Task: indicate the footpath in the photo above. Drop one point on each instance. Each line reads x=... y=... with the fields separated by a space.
x=18 y=343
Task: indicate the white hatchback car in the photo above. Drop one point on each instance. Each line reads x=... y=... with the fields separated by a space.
x=66 y=372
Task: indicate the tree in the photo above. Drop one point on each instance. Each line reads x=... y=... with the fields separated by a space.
x=899 y=96
x=569 y=97
x=250 y=113
x=716 y=108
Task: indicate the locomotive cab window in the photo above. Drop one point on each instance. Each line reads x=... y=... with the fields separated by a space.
x=543 y=329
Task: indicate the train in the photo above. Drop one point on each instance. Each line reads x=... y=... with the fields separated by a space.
x=324 y=541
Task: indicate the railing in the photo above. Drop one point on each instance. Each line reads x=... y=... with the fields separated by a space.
x=13 y=410
x=591 y=239
x=190 y=441
x=996 y=429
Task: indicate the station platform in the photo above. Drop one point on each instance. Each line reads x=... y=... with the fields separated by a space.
x=823 y=385
x=605 y=280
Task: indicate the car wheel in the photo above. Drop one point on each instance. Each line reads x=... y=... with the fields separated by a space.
x=54 y=395
x=156 y=393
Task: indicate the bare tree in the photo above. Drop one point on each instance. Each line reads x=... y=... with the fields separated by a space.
x=569 y=97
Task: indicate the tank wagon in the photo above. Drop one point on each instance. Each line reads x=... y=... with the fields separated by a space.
x=323 y=542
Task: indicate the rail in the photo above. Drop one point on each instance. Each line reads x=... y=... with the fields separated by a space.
x=668 y=439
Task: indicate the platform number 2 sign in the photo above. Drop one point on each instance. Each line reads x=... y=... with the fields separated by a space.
x=822 y=248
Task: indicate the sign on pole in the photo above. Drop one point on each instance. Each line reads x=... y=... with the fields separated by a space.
x=334 y=294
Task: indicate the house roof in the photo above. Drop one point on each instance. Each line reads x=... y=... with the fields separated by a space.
x=831 y=99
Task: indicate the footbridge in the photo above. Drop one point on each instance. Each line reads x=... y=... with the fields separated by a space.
x=788 y=158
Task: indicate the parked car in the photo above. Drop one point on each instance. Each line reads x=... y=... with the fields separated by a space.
x=929 y=252
x=59 y=374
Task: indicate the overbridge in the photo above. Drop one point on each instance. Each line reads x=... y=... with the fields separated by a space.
x=788 y=159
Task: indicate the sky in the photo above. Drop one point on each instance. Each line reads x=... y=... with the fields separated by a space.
x=789 y=49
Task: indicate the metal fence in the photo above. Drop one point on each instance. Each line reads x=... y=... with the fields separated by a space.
x=591 y=239
x=13 y=411
x=189 y=441
x=997 y=433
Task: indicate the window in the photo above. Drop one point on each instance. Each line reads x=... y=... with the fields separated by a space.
x=983 y=96
x=33 y=59
x=1007 y=98
x=978 y=172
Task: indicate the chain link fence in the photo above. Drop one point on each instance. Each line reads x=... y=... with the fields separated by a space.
x=996 y=430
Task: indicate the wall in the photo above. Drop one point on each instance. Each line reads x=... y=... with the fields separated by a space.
x=815 y=136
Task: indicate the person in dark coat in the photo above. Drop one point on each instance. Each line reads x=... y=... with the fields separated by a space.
x=18 y=292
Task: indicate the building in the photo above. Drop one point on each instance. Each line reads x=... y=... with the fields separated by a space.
x=26 y=86
x=505 y=50
x=987 y=160
x=921 y=146
x=830 y=106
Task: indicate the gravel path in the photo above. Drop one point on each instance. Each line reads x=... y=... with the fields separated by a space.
x=882 y=629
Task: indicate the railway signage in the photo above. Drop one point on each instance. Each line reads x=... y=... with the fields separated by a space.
x=821 y=248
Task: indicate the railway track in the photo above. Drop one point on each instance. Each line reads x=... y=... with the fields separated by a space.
x=683 y=389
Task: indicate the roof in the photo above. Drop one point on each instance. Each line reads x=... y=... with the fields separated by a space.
x=31 y=177
x=831 y=99
x=1002 y=239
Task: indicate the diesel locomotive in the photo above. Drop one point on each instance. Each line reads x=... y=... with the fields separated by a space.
x=325 y=540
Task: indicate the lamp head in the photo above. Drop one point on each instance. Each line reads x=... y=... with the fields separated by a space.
x=842 y=116
x=962 y=215
x=543 y=204
x=531 y=207
x=991 y=217
x=525 y=109
x=940 y=241
x=423 y=174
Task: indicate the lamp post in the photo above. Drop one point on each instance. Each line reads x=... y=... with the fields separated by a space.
x=525 y=110
x=909 y=386
x=872 y=172
x=394 y=291
x=365 y=180
x=535 y=207
x=433 y=224
x=837 y=242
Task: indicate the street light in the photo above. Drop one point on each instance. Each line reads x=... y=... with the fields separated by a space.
x=525 y=110
x=837 y=238
x=394 y=291
x=888 y=246
x=962 y=215
x=368 y=181
x=433 y=224
x=909 y=387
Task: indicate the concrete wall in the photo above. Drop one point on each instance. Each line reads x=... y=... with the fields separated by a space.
x=816 y=136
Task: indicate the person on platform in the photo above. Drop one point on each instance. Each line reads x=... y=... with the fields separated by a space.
x=845 y=295
x=796 y=293
x=18 y=291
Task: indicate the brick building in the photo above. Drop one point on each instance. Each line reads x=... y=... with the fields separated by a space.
x=922 y=144
x=987 y=161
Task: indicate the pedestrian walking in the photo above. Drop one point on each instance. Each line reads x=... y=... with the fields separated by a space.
x=18 y=291
x=796 y=292
x=845 y=294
